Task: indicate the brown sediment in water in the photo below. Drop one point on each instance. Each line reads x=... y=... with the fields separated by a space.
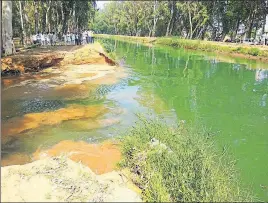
x=16 y=159
x=89 y=124
x=29 y=121
x=100 y=158
x=72 y=91
x=107 y=80
x=13 y=80
x=83 y=75
x=111 y=78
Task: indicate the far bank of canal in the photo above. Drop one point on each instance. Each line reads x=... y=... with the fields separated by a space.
x=227 y=95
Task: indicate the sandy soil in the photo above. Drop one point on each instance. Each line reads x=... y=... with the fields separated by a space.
x=59 y=179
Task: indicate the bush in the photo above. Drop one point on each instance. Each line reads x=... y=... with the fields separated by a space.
x=180 y=165
x=254 y=51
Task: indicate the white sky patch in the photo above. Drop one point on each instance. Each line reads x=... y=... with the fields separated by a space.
x=100 y=4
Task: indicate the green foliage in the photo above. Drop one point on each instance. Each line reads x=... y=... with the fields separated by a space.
x=54 y=16
x=254 y=51
x=188 y=19
x=182 y=165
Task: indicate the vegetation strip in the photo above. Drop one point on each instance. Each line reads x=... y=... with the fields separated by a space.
x=256 y=52
x=178 y=164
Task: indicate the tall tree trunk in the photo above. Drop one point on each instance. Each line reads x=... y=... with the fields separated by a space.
x=250 y=28
x=73 y=20
x=171 y=18
x=8 y=44
x=190 y=20
x=57 y=20
x=22 y=23
x=63 y=19
x=35 y=16
x=155 y=19
x=47 y=14
x=236 y=29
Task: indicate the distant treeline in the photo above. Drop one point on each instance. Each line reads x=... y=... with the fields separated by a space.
x=213 y=20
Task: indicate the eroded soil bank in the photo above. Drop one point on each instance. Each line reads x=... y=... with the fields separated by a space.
x=36 y=59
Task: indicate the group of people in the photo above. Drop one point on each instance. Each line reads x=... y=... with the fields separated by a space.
x=49 y=38
x=79 y=38
x=70 y=38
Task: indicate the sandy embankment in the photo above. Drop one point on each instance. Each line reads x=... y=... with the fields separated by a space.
x=69 y=171
x=62 y=180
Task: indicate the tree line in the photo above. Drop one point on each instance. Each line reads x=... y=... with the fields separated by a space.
x=190 y=19
x=23 y=18
x=51 y=16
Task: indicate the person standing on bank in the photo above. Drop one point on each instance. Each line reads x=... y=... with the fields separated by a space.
x=68 y=38
x=43 y=39
x=38 y=38
x=50 y=36
x=92 y=36
x=47 y=39
x=80 y=39
x=54 y=39
x=87 y=36
x=76 y=38
x=84 y=37
x=73 y=38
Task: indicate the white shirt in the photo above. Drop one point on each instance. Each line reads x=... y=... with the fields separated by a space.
x=68 y=37
x=73 y=37
x=34 y=37
x=42 y=37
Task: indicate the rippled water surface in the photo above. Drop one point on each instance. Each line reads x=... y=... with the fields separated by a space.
x=229 y=96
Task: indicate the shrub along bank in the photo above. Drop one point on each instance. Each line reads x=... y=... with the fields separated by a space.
x=178 y=164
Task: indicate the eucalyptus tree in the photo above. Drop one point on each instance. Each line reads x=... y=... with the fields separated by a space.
x=7 y=34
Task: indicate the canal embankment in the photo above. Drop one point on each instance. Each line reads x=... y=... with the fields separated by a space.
x=255 y=52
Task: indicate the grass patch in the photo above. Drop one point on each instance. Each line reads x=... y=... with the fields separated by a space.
x=178 y=164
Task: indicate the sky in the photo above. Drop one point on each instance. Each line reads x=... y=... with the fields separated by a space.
x=100 y=4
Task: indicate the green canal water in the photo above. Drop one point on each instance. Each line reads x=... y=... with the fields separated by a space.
x=227 y=96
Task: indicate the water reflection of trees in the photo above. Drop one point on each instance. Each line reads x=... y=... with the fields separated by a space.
x=191 y=84
x=261 y=75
